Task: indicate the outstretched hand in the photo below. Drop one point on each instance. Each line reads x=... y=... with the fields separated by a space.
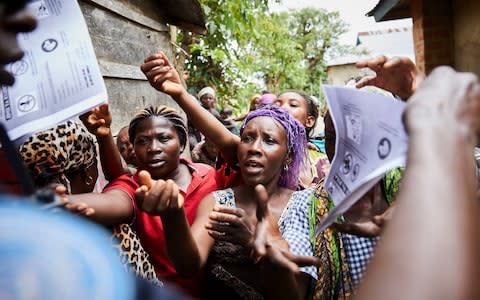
x=80 y=208
x=158 y=197
x=398 y=75
x=98 y=120
x=371 y=228
x=268 y=241
x=162 y=75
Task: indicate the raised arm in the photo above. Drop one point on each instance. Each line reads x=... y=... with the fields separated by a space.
x=163 y=77
x=430 y=248
x=398 y=75
x=98 y=122
x=187 y=248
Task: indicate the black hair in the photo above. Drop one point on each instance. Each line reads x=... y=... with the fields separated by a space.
x=159 y=111
x=312 y=107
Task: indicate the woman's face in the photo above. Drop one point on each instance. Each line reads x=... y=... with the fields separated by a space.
x=208 y=101
x=297 y=106
x=262 y=151
x=157 y=147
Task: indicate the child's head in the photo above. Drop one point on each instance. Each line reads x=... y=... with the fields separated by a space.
x=302 y=107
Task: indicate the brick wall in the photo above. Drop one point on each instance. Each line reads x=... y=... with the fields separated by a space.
x=433 y=33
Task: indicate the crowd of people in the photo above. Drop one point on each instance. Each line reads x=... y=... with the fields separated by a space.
x=239 y=221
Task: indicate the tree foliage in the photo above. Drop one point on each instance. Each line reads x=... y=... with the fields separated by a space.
x=248 y=49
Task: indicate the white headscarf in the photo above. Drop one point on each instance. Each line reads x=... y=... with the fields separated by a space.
x=206 y=90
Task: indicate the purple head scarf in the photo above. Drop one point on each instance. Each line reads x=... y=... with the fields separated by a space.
x=296 y=142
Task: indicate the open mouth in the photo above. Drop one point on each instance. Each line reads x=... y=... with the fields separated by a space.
x=252 y=166
x=156 y=163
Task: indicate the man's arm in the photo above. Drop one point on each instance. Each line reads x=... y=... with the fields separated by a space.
x=430 y=248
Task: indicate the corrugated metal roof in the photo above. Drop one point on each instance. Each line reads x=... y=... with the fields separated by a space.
x=390 y=10
x=187 y=14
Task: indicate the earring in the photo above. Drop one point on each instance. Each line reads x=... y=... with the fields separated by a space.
x=285 y=167
x=89 y=180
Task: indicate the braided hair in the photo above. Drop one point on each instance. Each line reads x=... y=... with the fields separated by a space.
x=296 y=142
x=159 y=111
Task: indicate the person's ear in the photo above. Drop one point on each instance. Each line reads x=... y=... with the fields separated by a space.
x=310 y=122
x=87 y=176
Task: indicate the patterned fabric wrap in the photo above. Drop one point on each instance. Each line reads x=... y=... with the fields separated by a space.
x=68 y=147
x=358 y=250
x=334 y=280
x=293 y=225
x=391 y=184
x=296 y=142
x=228 y=253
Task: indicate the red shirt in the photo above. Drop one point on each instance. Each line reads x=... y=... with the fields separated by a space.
x=150 y=229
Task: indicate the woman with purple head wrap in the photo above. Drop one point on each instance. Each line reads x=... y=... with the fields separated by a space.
x=296 y=142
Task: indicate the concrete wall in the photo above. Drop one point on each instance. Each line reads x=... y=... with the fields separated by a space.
x=467 y=35
x=338 y=75
x=123 y=33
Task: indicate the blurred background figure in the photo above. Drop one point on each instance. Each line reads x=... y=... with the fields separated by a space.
x=194 y=135
x=266 y=99
x=253 y=106
x=205 y=152
x=227 y=119
x=207 y=99
x=14 y=19
x=125 y=147
x=65 y=154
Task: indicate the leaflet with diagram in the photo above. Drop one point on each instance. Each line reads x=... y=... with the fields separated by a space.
x=370 y=141
x=58 y=78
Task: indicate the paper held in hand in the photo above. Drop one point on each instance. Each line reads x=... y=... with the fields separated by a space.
x=370 y=141
x=58 y=78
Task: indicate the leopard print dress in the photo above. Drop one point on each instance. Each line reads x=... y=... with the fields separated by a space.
x=133 y=257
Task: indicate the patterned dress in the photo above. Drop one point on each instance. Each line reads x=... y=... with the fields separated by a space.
x=293 y=224
x=334 y=280
x=344 y=256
